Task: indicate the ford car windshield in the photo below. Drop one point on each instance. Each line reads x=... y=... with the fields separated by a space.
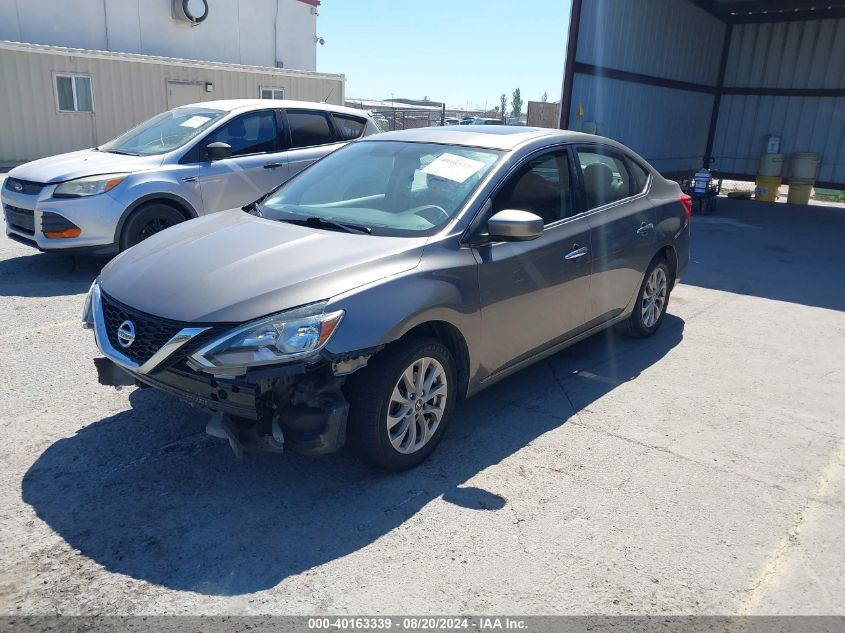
x=383 y=187
x=164 y=132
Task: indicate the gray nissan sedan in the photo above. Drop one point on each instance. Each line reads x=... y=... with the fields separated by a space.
x=407 y=270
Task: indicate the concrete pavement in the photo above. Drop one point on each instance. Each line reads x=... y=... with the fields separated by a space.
x=701 y=471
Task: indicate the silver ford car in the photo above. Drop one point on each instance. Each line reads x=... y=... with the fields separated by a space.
x=359 y=301
x=181 y=164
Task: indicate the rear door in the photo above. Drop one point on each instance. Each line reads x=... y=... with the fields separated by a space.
x=622 y=220
x=312 y=136
x=257 y=165
x=535 y=293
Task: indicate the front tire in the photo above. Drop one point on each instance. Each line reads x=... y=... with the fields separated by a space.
x=400 y=404
x=147 y=220
x=652 y=301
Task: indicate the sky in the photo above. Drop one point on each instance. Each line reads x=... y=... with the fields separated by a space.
x=464 y=53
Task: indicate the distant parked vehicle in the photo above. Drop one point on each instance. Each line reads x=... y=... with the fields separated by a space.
x=484 y=121
x=187 y=162
x=466 y=121
x=451 y=121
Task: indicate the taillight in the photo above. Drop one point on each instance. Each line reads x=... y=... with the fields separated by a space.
x=686 y=201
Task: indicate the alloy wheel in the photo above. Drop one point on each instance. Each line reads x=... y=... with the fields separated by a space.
x=417 y=405
x=654 y=297
x=154 y=226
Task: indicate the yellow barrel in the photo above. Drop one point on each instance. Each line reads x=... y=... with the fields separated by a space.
x=799 y=192
x=767 y=188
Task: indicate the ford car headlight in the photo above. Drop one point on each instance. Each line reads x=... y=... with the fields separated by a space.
x=88 y=186
x=279 y=338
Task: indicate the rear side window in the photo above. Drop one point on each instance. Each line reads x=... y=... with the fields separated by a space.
x=309 y=128
x=349 y=127
x=253 y=133
x=639 y=176
x=605 y=176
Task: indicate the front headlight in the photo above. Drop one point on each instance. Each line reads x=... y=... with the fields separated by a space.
x=275 y=339
x=88 y=308
x=88 y=186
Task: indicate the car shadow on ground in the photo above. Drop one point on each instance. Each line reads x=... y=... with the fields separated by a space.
x=47 y=275
x=784 y=252
x=145 y=493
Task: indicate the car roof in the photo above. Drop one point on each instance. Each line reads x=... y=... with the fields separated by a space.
x=504 y=137
x=231 y=105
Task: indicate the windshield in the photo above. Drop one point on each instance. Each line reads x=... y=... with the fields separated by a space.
x=164 y=132
x=391 y=187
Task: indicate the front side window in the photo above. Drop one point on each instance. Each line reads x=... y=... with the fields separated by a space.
x=349 y=127
x=390 y=187
x=253 y=133
x=272 y=93
x=541 y=187
x=605 y=176
x=74 y=93
x=164 y=132
x=309 y=128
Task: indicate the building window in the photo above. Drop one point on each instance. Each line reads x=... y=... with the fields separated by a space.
x=73 y=93
x=272 y=93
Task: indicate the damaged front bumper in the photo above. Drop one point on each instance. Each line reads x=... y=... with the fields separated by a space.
x=298 y=406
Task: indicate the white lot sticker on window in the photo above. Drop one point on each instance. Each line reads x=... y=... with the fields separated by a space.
x=195 y=121
x=452 y=167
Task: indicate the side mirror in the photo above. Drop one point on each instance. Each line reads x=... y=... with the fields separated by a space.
x=218 y=151
x=511 y=225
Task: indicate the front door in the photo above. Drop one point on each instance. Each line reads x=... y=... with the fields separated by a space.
x=622 y=222
x=535 y=293
x=257 y=165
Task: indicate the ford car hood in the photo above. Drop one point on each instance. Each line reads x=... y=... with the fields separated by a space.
x=86 y=162
x=232 y=267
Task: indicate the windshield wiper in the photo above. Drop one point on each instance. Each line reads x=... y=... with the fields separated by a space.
x=118 y=151
x=322 y=223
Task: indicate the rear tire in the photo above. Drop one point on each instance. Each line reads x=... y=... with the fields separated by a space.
x=147 y=220
x=652 y=301
x=394 y=423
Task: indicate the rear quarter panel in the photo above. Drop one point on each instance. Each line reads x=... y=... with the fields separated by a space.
x=670 y=226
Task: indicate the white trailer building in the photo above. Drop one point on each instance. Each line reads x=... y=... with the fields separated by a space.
x=78 y=81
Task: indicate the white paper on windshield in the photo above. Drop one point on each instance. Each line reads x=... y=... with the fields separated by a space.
x=452 y=167
x=195 y=121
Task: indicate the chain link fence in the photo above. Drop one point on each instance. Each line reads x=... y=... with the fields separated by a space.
x=390 y=119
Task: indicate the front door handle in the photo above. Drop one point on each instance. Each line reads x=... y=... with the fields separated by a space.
x=645 y=228
x=577 y=253
x=273 y=165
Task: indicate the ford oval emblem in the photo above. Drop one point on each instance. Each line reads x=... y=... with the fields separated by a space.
x=126 y=334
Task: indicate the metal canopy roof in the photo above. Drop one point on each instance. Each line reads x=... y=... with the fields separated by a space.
x=754 y=11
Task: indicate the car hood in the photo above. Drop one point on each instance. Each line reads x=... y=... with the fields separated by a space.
x=231 y=267
x=86 y=162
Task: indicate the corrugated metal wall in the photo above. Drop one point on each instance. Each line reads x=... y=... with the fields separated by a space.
x=125 y=93
x=666 y=127
x=652 y=37
x=667 y=39
x=793 y=55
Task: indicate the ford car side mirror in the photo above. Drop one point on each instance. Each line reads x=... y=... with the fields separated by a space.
x=218 y=151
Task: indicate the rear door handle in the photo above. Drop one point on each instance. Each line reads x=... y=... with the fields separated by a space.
x=577 y=253
x=273 y=165
x=645 y=228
